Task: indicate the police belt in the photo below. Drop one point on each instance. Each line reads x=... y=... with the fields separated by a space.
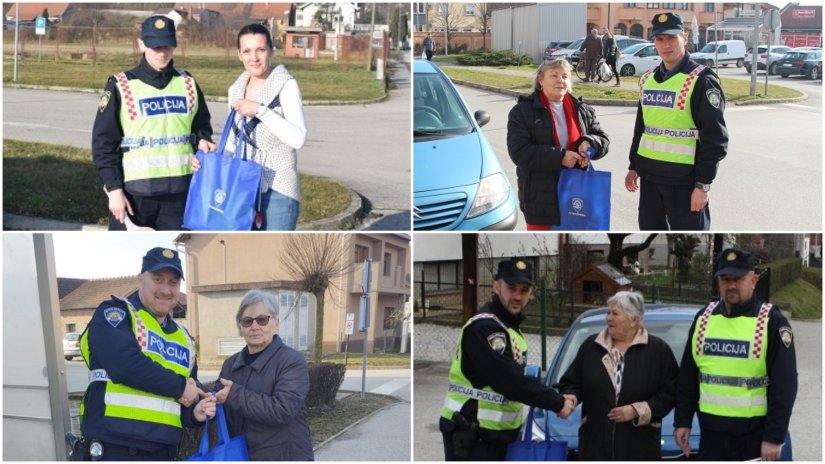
x=747 y=382
x=476 y=394
x=691 y=134
x=98 y=375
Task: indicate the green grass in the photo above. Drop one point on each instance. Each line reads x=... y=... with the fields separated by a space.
x=61 y=182
x=319 y=79
x=804 y=298
x=373 y=360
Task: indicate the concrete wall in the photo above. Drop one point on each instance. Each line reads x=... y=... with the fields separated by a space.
x=528 y=29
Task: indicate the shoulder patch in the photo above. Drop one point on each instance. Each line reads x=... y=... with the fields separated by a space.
x=498 y=342
x=114 y=315
x=104 y=101
x=786 y=335
x=714 y=98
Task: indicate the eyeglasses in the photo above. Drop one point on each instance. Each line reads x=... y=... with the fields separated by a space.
x=261 y=320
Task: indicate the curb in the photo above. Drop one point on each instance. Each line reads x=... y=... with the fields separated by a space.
x=341 y=221
x=347 y=428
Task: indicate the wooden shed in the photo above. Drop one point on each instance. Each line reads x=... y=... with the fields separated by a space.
x=599 y=282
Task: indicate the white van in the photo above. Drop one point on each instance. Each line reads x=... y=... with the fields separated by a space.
x=726 y=51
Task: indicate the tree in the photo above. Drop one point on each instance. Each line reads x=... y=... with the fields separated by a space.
x=324 y=15
x=683 y=249
x=483 y=18
x=315 y=261
x=618 y=251
x=448 y=16
x=398 y=24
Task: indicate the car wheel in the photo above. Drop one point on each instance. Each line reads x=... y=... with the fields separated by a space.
x=628 y=70
x=812 y=73
x=740 y=62
x=748 y=69
x=68 y=358
x=772 y=69
x=784 y=75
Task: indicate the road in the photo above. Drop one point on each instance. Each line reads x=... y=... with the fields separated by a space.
x=771 y=179
x=365 y=147
x=806 y=419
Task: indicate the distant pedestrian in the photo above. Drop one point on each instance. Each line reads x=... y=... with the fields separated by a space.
x=429 y=47
x=611 y=52
x=593 y=53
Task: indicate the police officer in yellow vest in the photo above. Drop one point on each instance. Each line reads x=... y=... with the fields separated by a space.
x=738 y=371
x=142 y=388
x=680 y=135
x=149 y=121
x=488 y=387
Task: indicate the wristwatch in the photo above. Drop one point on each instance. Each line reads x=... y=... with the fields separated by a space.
x=260 y=111
x=702 y=187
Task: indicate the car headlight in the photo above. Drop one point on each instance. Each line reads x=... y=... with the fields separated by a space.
x=492 y=192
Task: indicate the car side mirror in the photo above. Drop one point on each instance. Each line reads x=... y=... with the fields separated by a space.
x=482 y=117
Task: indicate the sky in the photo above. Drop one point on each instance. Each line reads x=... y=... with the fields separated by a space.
x=94 y=255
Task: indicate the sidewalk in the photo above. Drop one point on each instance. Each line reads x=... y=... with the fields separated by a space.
x=383 y=436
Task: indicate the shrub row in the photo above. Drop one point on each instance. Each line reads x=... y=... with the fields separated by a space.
x=484 y=57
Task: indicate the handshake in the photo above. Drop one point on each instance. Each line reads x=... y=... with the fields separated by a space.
x=205 y=403
x=569 y=406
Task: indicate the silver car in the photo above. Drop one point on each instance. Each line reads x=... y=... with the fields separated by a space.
x=71 y=345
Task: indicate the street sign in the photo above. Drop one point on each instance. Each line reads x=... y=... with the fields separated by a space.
x=40 y=25
x=772 y=20
x=350 y=328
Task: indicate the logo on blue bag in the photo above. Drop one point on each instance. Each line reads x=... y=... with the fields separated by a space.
x=163 y=105
x=170 y=351
x=577 y=204
x=217 y=200
x=663 y=98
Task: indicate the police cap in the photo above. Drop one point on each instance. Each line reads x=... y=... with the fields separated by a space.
x=161 y=258
x=734 y=262
x=158 y=31
x=667 y=24
x=515 y=271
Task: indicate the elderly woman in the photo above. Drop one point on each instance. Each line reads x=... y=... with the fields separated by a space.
x=546 y=132
x=265 y=385
x=626 y=380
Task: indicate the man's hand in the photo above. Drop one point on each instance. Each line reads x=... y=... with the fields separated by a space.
x=206 y=146
x=622 y=414
x=190 y=394
x=631 y=181
x=119 y=205
x=195 y=164
x=770 y=451
x=205 y=408
x=698 y=200
x=224 y=392
x=682 y=436
x=569 y=407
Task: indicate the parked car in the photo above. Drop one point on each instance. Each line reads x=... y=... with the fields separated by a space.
x=816 y=73
x=553 y=47
x=567 y=53
x=799 y=62
x=637 y=59
x=763 y=61
x=71 y=345
x=458 y=181
x=726 y=51
x=670 y=322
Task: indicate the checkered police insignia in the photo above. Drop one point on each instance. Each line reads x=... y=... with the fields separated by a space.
x=104 y=101
x=114 y=315
x=160 y=24
x=498 y=342
x=168 y=254
x=662 y=18
x=786 y=335
x=714 y=98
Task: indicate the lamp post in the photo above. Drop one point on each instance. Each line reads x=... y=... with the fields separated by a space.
x=224 y=260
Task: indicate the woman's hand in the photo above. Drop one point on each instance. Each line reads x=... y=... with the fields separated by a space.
x=571 y=159
x=622 y=414
x=195 y=164
x=205 y=408
x=206 y=146
x=246 y=108
x=223 y=394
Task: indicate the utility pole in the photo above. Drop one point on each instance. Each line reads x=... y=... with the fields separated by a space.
x=372 y=28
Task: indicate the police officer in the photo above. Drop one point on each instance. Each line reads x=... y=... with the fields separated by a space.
x=488 y=387
x=142 y=370
x=149 y=120
x=680 y=135
x=738 y=371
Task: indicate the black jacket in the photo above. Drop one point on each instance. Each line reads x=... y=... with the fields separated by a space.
x=266 y=403
x=537 y=158
x=782 y=375
x=708 y=119
x=107 y=133
x=650 y=374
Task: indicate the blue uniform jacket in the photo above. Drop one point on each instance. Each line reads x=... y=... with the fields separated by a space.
x=113 y=346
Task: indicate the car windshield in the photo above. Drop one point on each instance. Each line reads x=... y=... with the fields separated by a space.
x=577 y=44
x=673 y=332
x=709 y=48
x=633 y=48
x=437 y=107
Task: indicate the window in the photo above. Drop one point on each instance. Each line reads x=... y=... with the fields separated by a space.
x=387 y=264
x=361 y=253
x=684 y=6
x=652 y=5
x=469 y=9
x=637 y=31
x=621 y=29
x=669 y=6
x=300 y=42
x=294 y=320
x=709 y=8
x=71 y=328
x=629 y=5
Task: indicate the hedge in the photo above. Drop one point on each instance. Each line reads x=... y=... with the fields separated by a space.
x=494 y=58
x=783 y=272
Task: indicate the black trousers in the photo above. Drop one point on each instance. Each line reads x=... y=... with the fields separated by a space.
x=161 y=212
x=611 y=61
x=429 y=54
x=721 y=446
x=480 y=452
x=667 y=207
x=121 y=453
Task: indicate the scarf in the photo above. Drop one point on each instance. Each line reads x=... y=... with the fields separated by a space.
x=574 y=131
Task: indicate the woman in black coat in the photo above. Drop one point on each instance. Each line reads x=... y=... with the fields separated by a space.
x=626 y=380
x=548 y=131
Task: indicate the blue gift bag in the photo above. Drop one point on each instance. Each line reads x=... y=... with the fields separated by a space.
x=584 y=199
x=225 y=449
x=223 y=192
x=525 y=449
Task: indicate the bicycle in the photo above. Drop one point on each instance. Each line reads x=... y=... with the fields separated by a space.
x=602 y=75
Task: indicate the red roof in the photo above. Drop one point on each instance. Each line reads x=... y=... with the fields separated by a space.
x=802 y=17
x=29 y=11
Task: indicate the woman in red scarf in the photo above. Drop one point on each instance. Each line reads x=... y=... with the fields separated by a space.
x=548 y=131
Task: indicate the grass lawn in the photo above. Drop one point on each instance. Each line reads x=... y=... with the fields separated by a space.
x=373 y=360
x=61 y=182
x=319 y=79
x=804 y=298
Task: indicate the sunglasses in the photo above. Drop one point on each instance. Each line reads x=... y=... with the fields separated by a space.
x=261 y=320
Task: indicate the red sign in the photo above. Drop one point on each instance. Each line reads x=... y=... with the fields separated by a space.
x=806 y=13
x=802 y=40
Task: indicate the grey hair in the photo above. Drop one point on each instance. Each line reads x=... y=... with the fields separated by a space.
x=632 y=303
x=594 y=31
x=544 y=67
x=255 y=296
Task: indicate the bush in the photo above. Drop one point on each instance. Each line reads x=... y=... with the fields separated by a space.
x=494 y=58
x=458 y=49
x=783 y=272
x=324 y=381
x=813 y=276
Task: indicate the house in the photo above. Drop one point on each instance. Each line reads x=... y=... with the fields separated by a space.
x=341 y=15
x=221 y=268
x=30 y=11
x=801 y=25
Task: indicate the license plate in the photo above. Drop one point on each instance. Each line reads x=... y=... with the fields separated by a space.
x=787 y=64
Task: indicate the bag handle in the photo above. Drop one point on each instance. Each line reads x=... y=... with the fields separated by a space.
x=204 y=448
x=527 y=431
x=226 y=129
x=223 y=431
